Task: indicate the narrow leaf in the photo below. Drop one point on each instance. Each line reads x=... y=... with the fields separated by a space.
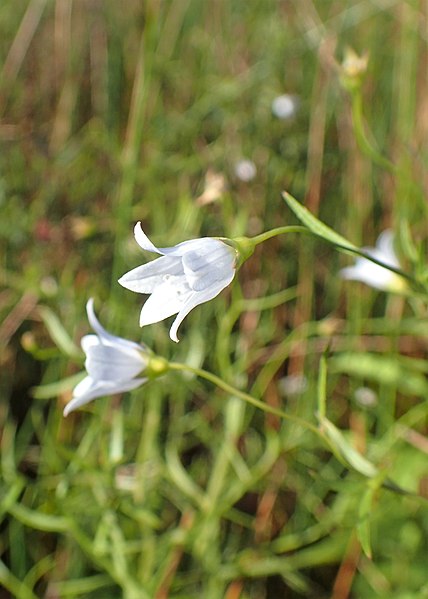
x=363 y=526
x=349 y=453
x=58 y=333
x=382 y=369
x=38 y=520
x=322 y=386
x=316 y=226
x=51 y=390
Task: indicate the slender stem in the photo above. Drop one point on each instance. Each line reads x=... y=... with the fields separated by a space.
x=212 y=378
x=365 y=145
x=299 y=229
x=319 y=432
x=278 y=231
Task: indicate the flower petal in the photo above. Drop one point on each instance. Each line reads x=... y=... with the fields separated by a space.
x=194 y=300
x=385 y=247
x=143 y=241
x=88 y=389
x=182 y=248
x=109 y=363
x=369 y=273
x=212 y=263
x=104 y=335
x=166 y=300
x=145 y=278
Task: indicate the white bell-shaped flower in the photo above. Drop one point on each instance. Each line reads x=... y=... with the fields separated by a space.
x=112 y=364
x=188 y=274
x=373 y=274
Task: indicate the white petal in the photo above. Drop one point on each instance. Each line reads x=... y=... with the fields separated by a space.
x=177 y=250
x=109 y=363
x=194 y=300
x=88 y=389
x=385 y=247
x=88 y=341
x=369 y=273
x=145 y=278
x=143 y=241
x=356 y=272
x=166 y=300
x=212 y=263
x=104 y=335
x=186 y=246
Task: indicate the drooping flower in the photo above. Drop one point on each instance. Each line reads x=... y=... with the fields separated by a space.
x=373 y=274
x=188 y=274
x=112 y=364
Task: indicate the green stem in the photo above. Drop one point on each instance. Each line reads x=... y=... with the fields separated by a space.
x=278 y=231
x=215 y=380
x=362 y=139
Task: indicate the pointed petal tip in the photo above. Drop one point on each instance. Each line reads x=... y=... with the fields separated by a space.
x=66 y=411
x=174 y=329
x=143 y=241
x=128 y=282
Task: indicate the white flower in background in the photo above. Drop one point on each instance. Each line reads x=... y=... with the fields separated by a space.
x=285 y=107
x=214 y=188
x=373 y=274
x=245 y=170
x=293 y=384
x=188 y=274
x=365 y=396
x=112 y=363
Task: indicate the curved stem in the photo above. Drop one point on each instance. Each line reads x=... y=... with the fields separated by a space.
x=362 y=139
x=319 y=432
x=278 y=231
x=215 y=380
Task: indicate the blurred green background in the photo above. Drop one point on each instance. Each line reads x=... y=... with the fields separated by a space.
x=113 y=112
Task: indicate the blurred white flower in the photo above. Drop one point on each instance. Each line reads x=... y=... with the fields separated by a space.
x=293 y=384
x=245 y=170
x=112 y=363
x=285 y=107
x=215 y=186
x=373 y=274
x=188 y=274
x=365 y=397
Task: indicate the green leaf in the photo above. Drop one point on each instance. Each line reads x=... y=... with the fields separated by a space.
x=38 y=520
x=322 y=386
x=319 y=229
x=316 y=226
x=58 y=333
x=352 y=457
x=82 y=586
x=17 y=588
x=382 y=369
x=54 y=389
x=364 y=511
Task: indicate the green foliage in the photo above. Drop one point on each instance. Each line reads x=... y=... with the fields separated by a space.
x=115 y=112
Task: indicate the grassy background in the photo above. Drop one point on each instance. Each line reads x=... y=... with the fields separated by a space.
x=113 y=112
